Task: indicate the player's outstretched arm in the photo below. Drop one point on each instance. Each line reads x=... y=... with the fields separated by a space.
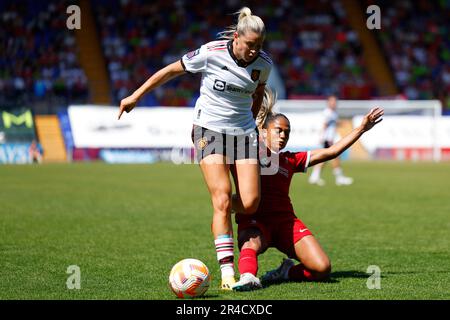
x=369 y=121
x=159 y=78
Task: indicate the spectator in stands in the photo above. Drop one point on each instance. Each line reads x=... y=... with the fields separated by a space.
x=414 y=36
x=307 y=41
x=39 y=59
x=35 y=152
x=317 y=51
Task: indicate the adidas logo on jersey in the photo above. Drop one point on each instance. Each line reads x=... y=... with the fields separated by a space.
x=224 y=68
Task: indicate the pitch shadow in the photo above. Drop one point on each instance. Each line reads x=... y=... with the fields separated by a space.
x=349 y=274
x=333 y=278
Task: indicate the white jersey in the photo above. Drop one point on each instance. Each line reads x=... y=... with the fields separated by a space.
x=227 y=86
x=330 y=121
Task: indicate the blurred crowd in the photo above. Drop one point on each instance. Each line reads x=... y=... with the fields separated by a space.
x=38 y=56
x=314 y=49
x=416 y=40
x=311 y=43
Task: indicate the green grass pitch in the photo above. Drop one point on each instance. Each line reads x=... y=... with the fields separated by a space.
x=125 y=226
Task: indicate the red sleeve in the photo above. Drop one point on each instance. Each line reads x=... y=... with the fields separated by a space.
x=301 y=161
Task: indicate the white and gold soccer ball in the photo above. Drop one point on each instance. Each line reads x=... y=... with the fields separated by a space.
x=189 y=278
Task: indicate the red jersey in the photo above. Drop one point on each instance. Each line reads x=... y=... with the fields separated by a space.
x=275 y=188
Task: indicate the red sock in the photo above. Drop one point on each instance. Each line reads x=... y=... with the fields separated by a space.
x=300 y=273
x=248 y=261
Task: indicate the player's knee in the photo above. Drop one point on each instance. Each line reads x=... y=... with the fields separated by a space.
x=221 y=202
x=322 y=269
x=252 y=243
x=251 y=204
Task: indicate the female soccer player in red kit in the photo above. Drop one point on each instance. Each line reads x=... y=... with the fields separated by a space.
x=275 y=223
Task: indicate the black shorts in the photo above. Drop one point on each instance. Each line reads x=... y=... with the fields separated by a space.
x=234 y=147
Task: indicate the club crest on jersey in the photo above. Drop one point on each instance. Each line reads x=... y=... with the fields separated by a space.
x=192 y=54
x=255 y=74
x=202 y=143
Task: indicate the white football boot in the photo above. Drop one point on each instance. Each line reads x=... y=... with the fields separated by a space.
x=247 y=282
x=318 y=181
x=343 y=181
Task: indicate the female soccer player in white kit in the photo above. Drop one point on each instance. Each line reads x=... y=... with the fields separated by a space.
x=328 y=136
x=234 y=74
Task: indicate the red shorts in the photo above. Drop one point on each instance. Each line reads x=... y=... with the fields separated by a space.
x=281 y=231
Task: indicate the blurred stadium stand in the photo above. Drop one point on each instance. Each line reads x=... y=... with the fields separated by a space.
x=416 y=38
x=50 y=138
x=312 y=44
x=39 y=65
x=315 y=45
x=319 y=48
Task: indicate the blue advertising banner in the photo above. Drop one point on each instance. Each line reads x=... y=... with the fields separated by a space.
x=66 y=131
x=15 y=153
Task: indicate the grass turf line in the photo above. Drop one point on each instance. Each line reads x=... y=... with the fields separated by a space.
x=125 y=226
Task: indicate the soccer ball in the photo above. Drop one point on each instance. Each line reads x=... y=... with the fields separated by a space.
x=189 y=278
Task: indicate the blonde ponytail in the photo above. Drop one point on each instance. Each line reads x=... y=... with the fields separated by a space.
x=246 y=22
x=266 y=110
x=244 y=12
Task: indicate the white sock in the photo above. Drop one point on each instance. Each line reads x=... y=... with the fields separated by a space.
x=338 y=172
x=315 y=175
x=225 y=255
